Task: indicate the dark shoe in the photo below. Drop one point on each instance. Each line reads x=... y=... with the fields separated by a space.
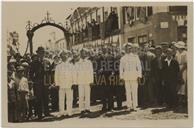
x=87 y=111
x=47 y=114
x=104 y=109
x=68 y=116
x=40 y=118
x=118 y=108
x=82 y=112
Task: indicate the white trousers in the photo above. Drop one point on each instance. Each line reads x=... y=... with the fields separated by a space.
x=84 y=97
x=131 y=88
x=69 y=100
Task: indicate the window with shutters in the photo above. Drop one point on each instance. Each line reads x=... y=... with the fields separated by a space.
x=149 y=11
x=131 y=40
x=114 y=9
x=138 y=11
x=142 y=39
x=129 y=14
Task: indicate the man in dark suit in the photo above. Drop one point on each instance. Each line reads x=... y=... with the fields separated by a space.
x=40 y=90
x=156 y=70
x=170 y=77
x=119 y=89
x=106 y=65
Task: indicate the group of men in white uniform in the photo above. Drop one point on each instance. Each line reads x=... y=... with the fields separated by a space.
x=81 y=74
x=68 y=74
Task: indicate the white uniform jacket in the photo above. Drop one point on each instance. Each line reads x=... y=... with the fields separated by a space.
x=63 y=75
x=84 y=72
x=130 y=67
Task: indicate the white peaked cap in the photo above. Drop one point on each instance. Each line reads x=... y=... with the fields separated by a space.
x=127 y=44
x=135 y=45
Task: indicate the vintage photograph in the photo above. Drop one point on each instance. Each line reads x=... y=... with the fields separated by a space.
x=68 y=61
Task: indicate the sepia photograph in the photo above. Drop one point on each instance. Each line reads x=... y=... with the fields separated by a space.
x=103 y=64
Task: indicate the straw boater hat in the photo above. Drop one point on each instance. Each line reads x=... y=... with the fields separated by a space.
x=158 y=47
x=173 y=42
x=164 y=43
x=151 y=49
x=180 y=45
x=20 y=68
x=25 y=64
x=169 y=50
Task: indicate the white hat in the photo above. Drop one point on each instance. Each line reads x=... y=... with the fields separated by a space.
x=63 y=52
x=180 y=44
x=169 y=49
x=84 y=49
x=151 y=48
x=25 y=64
x=54 y=56
x=12 y=60
x=173 y=42
x=164 y=43
x=122 y=51
x=135 y=45
x=127 y=44
x=20 y=68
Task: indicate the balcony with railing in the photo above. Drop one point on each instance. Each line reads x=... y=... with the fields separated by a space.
x=94 y=30
x=89 y=33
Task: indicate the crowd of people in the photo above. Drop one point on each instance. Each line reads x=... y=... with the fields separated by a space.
x=143 y=76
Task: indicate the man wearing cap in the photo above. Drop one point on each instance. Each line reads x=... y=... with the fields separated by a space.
x=63 y=79
x=40 y=90
x=84 y=79
x=165 y=46
x=170 y=79
x=23 y=89
x=130 y=72
x=147 y=75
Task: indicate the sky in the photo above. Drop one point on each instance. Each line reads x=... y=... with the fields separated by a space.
x=16 y=14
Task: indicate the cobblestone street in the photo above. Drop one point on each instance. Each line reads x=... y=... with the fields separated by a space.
x=150 y=113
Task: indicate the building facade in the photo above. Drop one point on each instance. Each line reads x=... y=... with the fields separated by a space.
x=96 y=26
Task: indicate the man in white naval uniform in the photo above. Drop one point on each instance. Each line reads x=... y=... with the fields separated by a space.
x=130 y=72
x=84 y=79
x=63 y=79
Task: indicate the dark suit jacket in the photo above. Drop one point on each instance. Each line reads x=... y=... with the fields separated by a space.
x=170 y=74
x=156 y=70
x=37 y=72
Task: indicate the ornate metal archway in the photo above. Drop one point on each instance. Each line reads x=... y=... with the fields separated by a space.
x=47 y=21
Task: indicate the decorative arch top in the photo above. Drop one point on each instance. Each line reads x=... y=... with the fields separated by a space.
x=47 y=21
